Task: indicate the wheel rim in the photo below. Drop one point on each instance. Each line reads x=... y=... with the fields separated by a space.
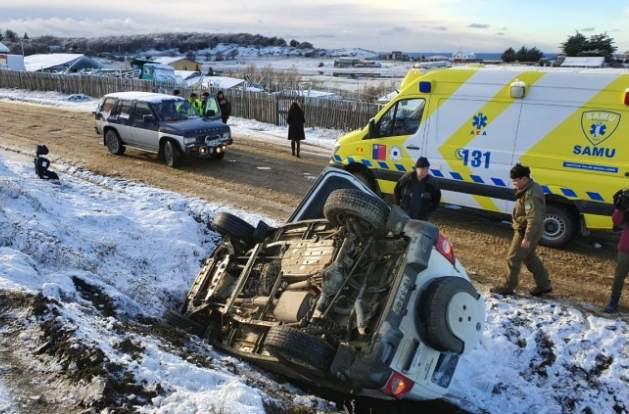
x=554 y=227
x=168 y=153
x=112 y=143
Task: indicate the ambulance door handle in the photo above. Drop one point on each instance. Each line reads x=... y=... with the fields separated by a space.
x=412 y=147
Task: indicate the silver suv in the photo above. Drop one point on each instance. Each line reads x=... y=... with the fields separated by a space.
x=349 y=294
x=161 y=124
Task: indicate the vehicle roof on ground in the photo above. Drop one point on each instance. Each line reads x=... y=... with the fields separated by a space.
x=143 y=96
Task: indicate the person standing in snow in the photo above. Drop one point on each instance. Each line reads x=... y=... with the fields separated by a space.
x=225 y=105
x=416 y=192
x=620 y=218
x=528 y=226
x=295 y=120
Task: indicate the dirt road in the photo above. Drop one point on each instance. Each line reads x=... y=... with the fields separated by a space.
x=263 y=177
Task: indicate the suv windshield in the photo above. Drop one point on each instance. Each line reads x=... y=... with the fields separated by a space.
x=174 y=110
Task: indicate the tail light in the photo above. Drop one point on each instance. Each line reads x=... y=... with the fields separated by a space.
x=398 y=385
x=444 y=247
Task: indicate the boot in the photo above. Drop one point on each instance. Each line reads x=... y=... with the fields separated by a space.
x=612 y=306
x=502 y=290
x=538 y=291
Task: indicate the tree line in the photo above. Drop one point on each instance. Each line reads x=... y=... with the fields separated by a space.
x=129 y=44
x=576 y=45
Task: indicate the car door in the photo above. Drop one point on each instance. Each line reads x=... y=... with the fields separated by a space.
x=144 y=127
x=119 y=119
x=103 y=112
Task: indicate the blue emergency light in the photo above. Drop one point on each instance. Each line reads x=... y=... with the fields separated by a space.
x=425 y=87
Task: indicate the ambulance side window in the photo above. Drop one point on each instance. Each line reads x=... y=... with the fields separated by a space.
x=403 y=118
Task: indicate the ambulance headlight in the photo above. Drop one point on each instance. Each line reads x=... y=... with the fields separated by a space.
x=518 y=89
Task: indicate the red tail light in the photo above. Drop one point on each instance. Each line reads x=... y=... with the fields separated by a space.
x=444 y=247
x=398 y=385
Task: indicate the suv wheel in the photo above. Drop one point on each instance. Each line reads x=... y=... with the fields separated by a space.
x=172 y=154
x=114 y=145
x=361 y=212
x=449 y=315
x=234 y=227
x=300 y=349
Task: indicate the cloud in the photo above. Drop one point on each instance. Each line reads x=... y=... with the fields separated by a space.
x=394 y=30
x=440 y=28
x=478 y=26
x=587 y=29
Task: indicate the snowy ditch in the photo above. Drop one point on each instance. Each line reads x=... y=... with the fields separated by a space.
x=107 y=257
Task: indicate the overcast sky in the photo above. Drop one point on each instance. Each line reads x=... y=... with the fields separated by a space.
x=407 y=25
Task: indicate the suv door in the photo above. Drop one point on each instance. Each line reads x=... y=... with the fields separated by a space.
x=119 y=119
x=103 y=112
x=144 y=131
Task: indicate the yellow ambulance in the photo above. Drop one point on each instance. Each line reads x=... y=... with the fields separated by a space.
x=571 y=126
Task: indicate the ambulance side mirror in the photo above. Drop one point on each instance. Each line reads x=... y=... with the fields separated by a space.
x=372 y=128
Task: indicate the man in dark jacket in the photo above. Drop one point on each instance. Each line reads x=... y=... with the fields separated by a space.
x=528 y=228
x=417 y=193
x=295 y=120
x=620 y=218
x=225 y=105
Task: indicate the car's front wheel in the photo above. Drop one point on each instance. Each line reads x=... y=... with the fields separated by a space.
x=172 y=154
x=113 y=142
x=298 y=348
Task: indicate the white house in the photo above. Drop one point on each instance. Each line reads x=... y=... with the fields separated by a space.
x=583 y=62
x=9 y=61
x=59 y=62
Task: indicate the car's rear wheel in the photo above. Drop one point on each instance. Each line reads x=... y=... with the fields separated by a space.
x=234 y=227
x=172 y=154
x=361 y=212
x=560 y=226
x=299 y=348
x=449 y=314
x=113 y=142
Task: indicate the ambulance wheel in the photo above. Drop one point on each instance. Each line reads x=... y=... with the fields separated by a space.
x=560 y=225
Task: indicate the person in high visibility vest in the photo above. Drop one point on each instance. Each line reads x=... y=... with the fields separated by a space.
x=196 y=103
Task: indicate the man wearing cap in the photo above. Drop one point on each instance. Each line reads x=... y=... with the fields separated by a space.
x=528 y=226
x=416 y=192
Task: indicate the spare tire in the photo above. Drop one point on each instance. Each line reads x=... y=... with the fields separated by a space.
x=346 y=204
x=299 y=348
x=234 y=227
x=450 y=314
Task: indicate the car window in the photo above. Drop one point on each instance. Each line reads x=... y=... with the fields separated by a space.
x=141 y=109
x=124 y=109
x=403 y=118
x=174 y=110
x=211 y=108
x=107 y=106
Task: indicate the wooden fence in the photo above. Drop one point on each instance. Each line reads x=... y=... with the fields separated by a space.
x=262 y=106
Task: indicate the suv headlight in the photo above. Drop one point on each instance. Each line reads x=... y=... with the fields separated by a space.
x=226 y=135
x=189 y=140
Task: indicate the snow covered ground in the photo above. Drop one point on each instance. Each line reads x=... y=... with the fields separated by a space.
x=318 y=140
x=139 y=248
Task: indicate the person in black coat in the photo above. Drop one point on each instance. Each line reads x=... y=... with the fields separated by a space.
x=417 y=193
x=296 y=121
x=225 y=105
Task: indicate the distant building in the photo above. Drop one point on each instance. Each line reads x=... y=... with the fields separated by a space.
x=356 y=63
x=59 y=63
x=178 y=62
x=583 y=62
x=395 y=55
x=9 y=61
x=463 y=57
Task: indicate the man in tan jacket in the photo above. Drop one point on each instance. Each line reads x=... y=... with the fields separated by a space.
x=528 y=228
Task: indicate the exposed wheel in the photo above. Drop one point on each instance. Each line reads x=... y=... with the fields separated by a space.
x=367 y=179
x=113 y=142
x=177 y=320
x=450 y=314
x=364 y=213
x=234 y=227
x=298 y=348
x=559 y=226
x=172 y=154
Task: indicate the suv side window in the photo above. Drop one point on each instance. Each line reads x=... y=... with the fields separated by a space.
x=107 y=106
x=124 y=110
x=141 y=109
x=403 y=118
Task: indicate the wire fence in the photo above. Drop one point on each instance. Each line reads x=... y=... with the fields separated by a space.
x=262 y=106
